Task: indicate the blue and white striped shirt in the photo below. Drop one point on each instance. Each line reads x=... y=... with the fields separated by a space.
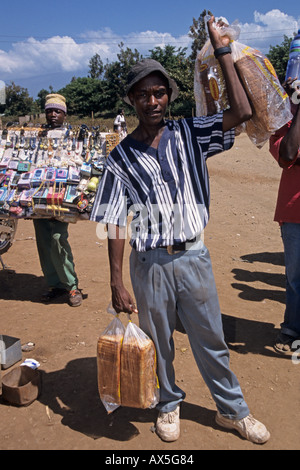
x=165 y=189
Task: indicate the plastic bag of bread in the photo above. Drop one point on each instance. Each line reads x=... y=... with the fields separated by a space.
x=109 y=364
x=126 y=366
x=139 y=383
x=209 y=84
x=269 y=102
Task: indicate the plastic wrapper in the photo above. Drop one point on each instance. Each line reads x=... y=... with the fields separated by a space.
x=126 y=367
x=109 y=364
x=139 y=384
x=209 y=84
x=270 y=103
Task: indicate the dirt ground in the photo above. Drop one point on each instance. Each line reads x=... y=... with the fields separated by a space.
x=247 y=257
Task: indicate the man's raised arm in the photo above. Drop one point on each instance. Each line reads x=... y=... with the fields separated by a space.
x=240 y=109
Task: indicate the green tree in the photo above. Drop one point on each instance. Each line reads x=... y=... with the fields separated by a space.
x=115 y=77
x=18 y=102
x=96 y=67
x=41 y=99
x=279 y=56
x=198 y=34
x=83 y=96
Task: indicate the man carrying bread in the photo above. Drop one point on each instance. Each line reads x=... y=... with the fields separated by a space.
x=159 y=172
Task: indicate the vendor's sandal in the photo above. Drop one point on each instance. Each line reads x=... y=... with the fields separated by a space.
x=75 y=298
x=52 y=294
x=283 y=343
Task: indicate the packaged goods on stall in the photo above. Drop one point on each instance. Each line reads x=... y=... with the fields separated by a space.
x=270 y=103
x=51 y=173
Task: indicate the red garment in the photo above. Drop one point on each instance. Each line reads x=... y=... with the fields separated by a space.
x=288 y=201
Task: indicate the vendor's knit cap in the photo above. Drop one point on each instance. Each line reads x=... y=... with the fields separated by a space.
x=142 y=69
x=55 y=101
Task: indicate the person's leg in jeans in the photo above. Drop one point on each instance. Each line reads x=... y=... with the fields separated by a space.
x=199 y=312
x=154 y=291
x=291 y=241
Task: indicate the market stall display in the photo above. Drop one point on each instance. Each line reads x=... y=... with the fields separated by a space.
x=51 y=172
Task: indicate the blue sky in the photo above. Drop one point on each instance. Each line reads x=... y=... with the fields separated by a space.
x=47 y=43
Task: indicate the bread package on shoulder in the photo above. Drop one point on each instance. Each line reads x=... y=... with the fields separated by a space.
x=270 y=103
x=139 y=383
x=109 y=364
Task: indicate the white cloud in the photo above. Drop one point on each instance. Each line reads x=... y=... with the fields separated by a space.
x=142 y=41
x=64 y=54
x=55 y=54
x=268 y=29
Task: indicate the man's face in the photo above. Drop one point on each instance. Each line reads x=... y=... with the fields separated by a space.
x=55 y=117
x=150 y=97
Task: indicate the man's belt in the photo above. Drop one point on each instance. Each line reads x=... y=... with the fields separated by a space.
x=173 y=249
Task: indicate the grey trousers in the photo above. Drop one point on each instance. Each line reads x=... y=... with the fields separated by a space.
x=184 y=282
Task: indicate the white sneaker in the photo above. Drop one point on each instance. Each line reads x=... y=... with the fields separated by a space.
x=168 y=425
x=248 y=427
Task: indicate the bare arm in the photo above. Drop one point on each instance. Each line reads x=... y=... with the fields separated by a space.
x=240 y=109
x=121 y=299
x=290 y=144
